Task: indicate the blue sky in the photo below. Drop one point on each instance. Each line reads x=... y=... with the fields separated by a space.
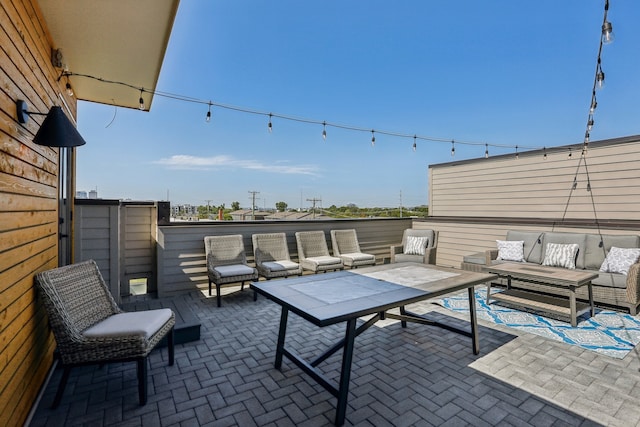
x=501 y=72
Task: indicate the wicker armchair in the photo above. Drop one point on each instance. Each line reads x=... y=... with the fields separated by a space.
x=399 y=253
x=227 y=262
x=313 y=252
x=345 y=245
x=272 y=256
x=90 y=328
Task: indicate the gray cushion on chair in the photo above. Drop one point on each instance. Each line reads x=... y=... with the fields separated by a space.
x=233 y=270
x=409 y=258
x=611 y=280
x=142 y=323
x=281 y=265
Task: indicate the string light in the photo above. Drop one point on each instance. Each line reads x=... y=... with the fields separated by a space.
x=415 y=146
x=208 y=118
x=517 y=155
x=544 y=155
x=69 y=88
x=373 y=138
x=141 y=101
x=607 y=28
x=453 y=148
x=324 y=131
x=599 y=76
x=486 y=151
x=570 y=152
x=270 y=126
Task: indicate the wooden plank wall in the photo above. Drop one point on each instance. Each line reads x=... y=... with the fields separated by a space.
x=97 y=237
x=530 y=187
x=181 y=257
x=28 y=206
x=138 y=244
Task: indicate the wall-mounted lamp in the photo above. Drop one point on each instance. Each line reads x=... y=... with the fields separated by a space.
x=56 y=129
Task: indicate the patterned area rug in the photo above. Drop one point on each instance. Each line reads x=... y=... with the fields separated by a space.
x=610 y=333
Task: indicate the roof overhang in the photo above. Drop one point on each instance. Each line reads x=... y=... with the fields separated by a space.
x=116 y=40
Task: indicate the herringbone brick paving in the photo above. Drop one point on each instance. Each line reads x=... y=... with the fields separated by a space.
x=418 y=376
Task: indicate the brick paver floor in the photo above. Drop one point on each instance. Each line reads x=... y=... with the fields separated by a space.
x=418 y=376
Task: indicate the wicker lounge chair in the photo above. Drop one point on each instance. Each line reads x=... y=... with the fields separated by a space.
x=272 y=256
x=227 y=262
x=90 y=328
x=402 y=253
x=313 y=252
x=345 y=245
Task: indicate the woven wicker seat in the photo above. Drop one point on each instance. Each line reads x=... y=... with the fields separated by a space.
x=272 y=257
x=227 y=262
x=90 y=328
x=345 y=245
x=313 y=252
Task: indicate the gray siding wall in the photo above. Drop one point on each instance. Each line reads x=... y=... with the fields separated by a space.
x=530 y=187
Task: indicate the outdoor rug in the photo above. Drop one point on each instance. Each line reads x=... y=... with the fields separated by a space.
x=609 y=332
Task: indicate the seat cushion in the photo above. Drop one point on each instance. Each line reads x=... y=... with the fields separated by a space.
x=233 y=270
x=595 y=254
x=477 y=258
x=140 y=323
x=280 y=265
x=611 y=280
x=324 y=260
x=409 y=258
x=358 y=256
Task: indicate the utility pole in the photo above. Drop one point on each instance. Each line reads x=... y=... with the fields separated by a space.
x=314 y=200
x=400 y=203
x=208 y=206
x=253 y=204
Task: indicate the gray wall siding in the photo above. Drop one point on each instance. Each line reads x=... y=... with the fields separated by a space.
x=530 y=187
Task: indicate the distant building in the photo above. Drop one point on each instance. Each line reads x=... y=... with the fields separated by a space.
x=93 y=194
x=81 y=195
x=248 y=215
x=293 y=215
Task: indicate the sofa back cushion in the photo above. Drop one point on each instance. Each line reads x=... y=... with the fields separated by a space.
x=568 y=238
x=532 y=244
x=595 y=254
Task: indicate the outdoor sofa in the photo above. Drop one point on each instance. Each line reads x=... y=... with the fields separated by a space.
x=610 y=288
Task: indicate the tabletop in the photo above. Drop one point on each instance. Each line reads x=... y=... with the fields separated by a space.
x=328 y=298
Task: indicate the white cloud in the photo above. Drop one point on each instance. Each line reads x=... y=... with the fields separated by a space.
x=183 y=161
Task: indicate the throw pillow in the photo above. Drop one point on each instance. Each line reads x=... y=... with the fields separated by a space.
x=558 y=255
x=619 y=260
x=510 y=250
x=415 y=245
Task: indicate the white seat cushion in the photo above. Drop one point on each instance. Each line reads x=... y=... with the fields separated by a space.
x=233 y=270
x=144 y=323
x=359 y=256
x=280 y=265
x=324 y=260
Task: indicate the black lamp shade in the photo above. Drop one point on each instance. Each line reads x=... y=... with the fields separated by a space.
x=58 y=131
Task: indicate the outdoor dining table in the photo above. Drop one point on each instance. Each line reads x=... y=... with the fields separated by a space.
x=345 y=296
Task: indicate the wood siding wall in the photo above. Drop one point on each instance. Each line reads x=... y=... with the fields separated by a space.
x=138 y=245
x=530 y=187
x=28 y=206
x=181 y=257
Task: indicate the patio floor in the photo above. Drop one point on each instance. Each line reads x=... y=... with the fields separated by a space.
x=419 y=376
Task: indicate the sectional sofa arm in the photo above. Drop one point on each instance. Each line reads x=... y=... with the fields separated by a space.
x=490 y=255
x=633 y=283
x=430 y=255
x=395 y=249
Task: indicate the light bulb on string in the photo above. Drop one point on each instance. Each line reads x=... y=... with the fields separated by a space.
x=575 y=183
x=517 y=155
x=594 y=103
x=570 y=153
x=544 y=151
x=590 y=123
x=600 y=79
x=415 y=146
x=453 y=148
x=141 y=101
x=270 y=126
x=324 y=131
x=486 y=151
x=69 y=88
x=607 y=33
x=373 y=138
x=588 y=185
x=208 y=118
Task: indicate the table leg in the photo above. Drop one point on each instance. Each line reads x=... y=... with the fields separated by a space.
x=488 y=292
x=281 y=334
x=403 y=312
x=345 y=373
x=593 y=308
x=473 y=319
x=572 y=305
